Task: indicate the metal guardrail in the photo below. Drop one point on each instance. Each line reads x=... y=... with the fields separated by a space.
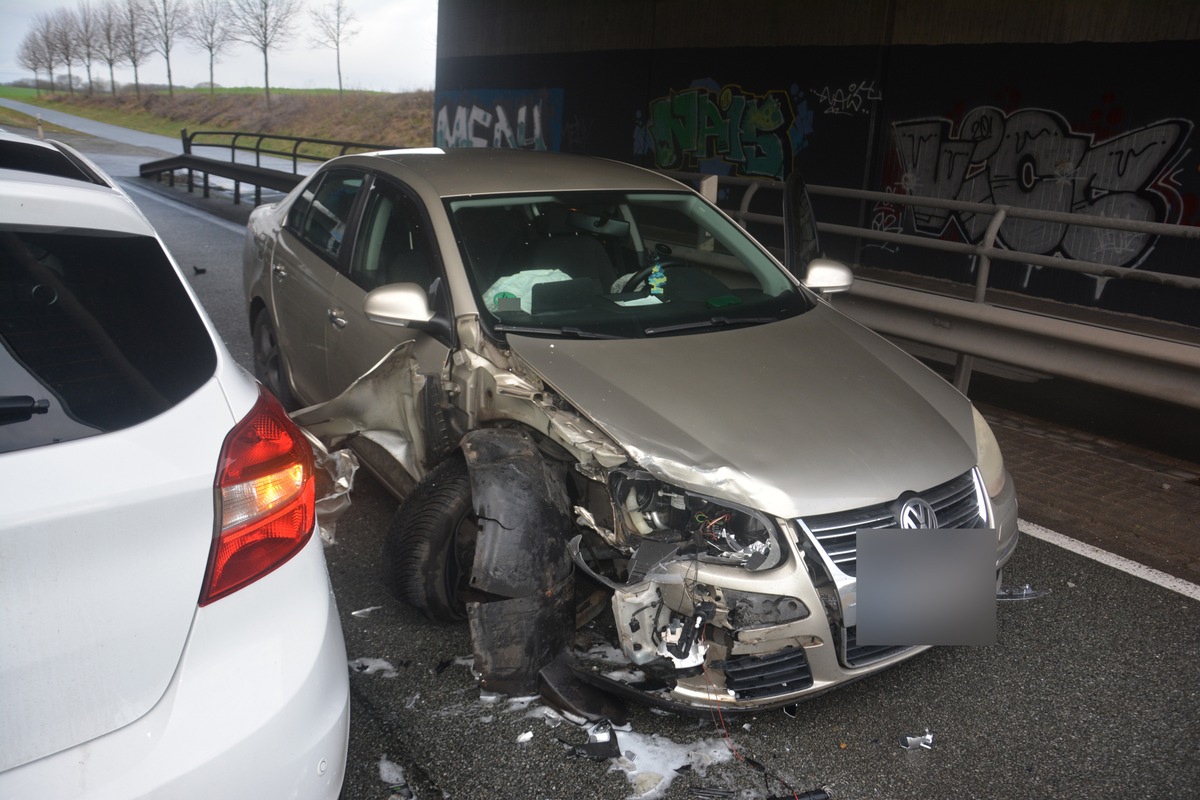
x=273 y=146
x=254 y=147
x=1121 y=359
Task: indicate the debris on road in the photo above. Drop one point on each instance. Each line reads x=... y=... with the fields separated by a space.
x=392 y=774
x=369 y=666
x=1025 y=592
x=923 y=742
x=601 y=744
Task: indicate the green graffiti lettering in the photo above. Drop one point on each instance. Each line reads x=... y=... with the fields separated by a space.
x=747 y=131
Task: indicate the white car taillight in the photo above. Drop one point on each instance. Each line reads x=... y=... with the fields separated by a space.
x=265 y=499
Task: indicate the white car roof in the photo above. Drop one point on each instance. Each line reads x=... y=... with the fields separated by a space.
x=34 y=199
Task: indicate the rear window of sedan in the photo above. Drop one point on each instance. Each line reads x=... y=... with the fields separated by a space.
x=98 y=334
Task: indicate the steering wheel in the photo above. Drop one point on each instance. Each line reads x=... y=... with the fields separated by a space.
x=641 y=276
x=684 y=282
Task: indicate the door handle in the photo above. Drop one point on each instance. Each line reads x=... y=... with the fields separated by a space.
x=335 y=318
x=279 y=271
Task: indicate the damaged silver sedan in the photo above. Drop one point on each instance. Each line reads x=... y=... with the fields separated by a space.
x=620 y=429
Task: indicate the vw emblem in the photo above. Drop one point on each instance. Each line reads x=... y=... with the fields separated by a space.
x=916 y=514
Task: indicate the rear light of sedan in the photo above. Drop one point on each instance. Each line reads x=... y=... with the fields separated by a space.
x=265 y=499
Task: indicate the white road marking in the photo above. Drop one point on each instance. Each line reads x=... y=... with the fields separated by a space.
x=1186 y=588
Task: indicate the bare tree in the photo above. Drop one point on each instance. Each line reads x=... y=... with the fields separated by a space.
x=135 y=38
x=266 y=24
x=31 y=54
x=209 y=29
x=86 y=37
x=63 y=27
x=334 y=24
x=110 y=39
x=165 y=22
x=47 y=47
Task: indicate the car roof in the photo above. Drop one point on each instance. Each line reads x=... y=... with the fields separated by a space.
x=36 y=200
x=456 y=172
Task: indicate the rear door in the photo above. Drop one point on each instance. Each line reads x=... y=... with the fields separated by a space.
x=303 y=271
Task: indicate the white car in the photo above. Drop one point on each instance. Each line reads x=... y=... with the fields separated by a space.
x=167 y=626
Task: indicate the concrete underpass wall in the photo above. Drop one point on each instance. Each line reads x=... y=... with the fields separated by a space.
x=1085 y=107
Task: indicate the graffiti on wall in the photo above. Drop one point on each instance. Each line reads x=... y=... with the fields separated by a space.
x=521 y=119
x=1032 y=158
x=855 y=98
x=725 y=130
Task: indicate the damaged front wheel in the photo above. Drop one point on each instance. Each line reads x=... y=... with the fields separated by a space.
x=430 y=545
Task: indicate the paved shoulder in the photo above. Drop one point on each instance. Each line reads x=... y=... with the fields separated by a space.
x=152 y=141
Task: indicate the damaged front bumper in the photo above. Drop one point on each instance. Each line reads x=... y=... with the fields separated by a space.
x=750 y=642
x=695 y=636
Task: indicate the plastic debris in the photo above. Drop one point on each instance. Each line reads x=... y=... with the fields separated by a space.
x=601 y=744
x=924 y=742
x=1025 y=592
x=370 y=666
x=527 y=736
x=335 y=478
x=392 y=774
x=362 y=612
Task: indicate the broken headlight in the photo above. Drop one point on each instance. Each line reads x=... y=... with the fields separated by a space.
x=721 y=532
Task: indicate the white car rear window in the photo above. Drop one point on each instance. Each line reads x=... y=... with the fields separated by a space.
x=98 y=334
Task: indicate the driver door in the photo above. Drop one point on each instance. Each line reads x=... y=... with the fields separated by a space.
x=392 y=245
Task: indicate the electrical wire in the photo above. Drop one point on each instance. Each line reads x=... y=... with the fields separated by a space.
x=718 y=718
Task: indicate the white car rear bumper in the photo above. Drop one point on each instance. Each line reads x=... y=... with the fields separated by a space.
x=258 y=707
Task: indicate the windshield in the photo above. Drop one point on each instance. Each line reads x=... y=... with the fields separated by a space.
x=616 y=265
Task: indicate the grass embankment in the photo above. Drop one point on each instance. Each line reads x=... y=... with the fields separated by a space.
x=395 y=120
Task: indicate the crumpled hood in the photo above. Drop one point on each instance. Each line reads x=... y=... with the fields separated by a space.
x=804 y=416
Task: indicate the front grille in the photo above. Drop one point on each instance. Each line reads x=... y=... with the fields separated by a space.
x=856 y=655
x=957 y=503
x=753 y=677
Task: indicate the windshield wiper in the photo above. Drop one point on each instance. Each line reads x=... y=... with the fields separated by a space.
x=21 y=408
x=712 y=322
x=578 y=333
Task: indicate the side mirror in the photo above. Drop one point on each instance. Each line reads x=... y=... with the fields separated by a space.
x=826 y=276
x=401 y=304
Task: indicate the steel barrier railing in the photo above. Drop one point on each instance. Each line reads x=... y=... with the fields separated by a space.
x=294 y=148
x=1119 y=358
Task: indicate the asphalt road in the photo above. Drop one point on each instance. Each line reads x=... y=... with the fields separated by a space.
x=1092 y=690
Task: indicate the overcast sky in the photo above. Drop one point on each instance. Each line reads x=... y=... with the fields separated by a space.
x=394 y=51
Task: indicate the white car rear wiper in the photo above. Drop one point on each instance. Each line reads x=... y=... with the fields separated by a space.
x=712 y=322
x=21 y=408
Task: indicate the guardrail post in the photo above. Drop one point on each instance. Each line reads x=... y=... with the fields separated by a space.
x=965 y=362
